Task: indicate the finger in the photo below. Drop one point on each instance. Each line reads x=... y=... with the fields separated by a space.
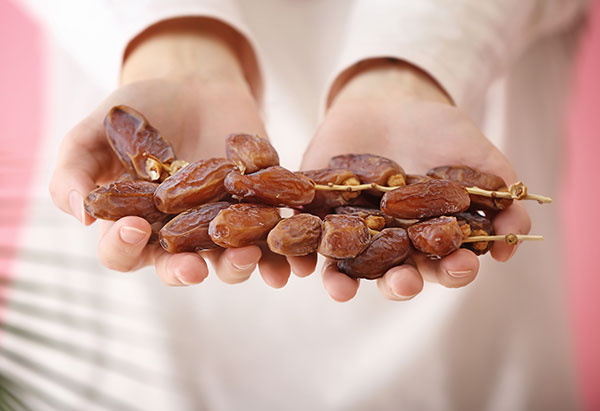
x=122 y=243
x=274 y=269
x=77 y=170
x=400 y=283
x=514 y=219
x=181 y=268
x=455 y=270
x=339 y=286
x=303 y=266
x=234 y=265
x=68 y=187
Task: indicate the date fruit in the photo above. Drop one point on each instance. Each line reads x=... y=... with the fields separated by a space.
x=243 y=224
x=470 y=177
x=343 y=236
x=371 y=168
x=274 y=186
x=387 y=249
x=478 y=226
x=372 y=216
x=437 y=237
x=432 y=198
x=330 y=199
x=188 y=232
x=195 y=184
x=251 y=151
x=124 y=198
x=296 y=236
x=416 y=178
x=132 y=138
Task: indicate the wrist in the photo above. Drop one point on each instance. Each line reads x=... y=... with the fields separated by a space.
x=386 y=79
x=186 y=48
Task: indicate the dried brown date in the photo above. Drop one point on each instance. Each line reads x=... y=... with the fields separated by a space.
x=124 y=198
x=387 y=249
x=195 y=184
x=362 y=212
x=373 y=218
x=188 y=232
x=371 y=168
x=428 y=199
x=243 y=224
x=470 y=177
x=478 y=226
x=343 y=236
x=416 y=178
x=437 y=237
x=132 y=138
x=251 y=151
x=368 y=214
x=296 y=236
x=274 y=186
x=366 y=201
x=330 y=199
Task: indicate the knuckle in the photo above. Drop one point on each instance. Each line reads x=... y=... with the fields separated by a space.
x=121 y=263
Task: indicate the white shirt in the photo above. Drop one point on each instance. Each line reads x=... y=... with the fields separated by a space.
x=501 y=343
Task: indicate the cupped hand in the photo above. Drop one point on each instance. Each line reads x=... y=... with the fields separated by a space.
x=195 y=110
x=398 y=114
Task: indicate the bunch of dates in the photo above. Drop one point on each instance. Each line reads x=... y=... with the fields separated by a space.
x=363 y=210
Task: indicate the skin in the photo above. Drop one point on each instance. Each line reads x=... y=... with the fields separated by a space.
x=187 y=77
x=415 y=123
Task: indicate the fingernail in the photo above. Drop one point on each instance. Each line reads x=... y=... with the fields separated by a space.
x=243 y=267
x=179 y=276
x=131 y=235
x=459 y=274
x=404 y=297
x=76 y=203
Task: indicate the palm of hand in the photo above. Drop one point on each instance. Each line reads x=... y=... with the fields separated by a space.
x=418 y=135
x=194 y=117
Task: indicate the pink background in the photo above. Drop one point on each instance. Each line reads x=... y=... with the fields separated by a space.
x=582 y=202
x=21 y=112
x=21 y=104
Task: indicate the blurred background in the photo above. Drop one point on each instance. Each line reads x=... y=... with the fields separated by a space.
x=49 y=274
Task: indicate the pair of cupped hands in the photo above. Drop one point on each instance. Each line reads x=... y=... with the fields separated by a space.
x=187 y=78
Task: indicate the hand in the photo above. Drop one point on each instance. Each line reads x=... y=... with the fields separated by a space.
x=397 y=111
x=186 y=78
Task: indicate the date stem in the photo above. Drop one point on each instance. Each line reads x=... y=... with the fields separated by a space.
x=510 y=239
x=517 y=191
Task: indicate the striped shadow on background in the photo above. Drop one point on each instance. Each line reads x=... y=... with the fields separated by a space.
x=52 y=312
x=70 y=339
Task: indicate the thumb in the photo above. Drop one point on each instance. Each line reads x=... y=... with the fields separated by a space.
x=83 y=156
x=68 y=188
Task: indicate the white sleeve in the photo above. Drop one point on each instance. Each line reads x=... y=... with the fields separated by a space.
x=463 y=44
x=97 y=32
